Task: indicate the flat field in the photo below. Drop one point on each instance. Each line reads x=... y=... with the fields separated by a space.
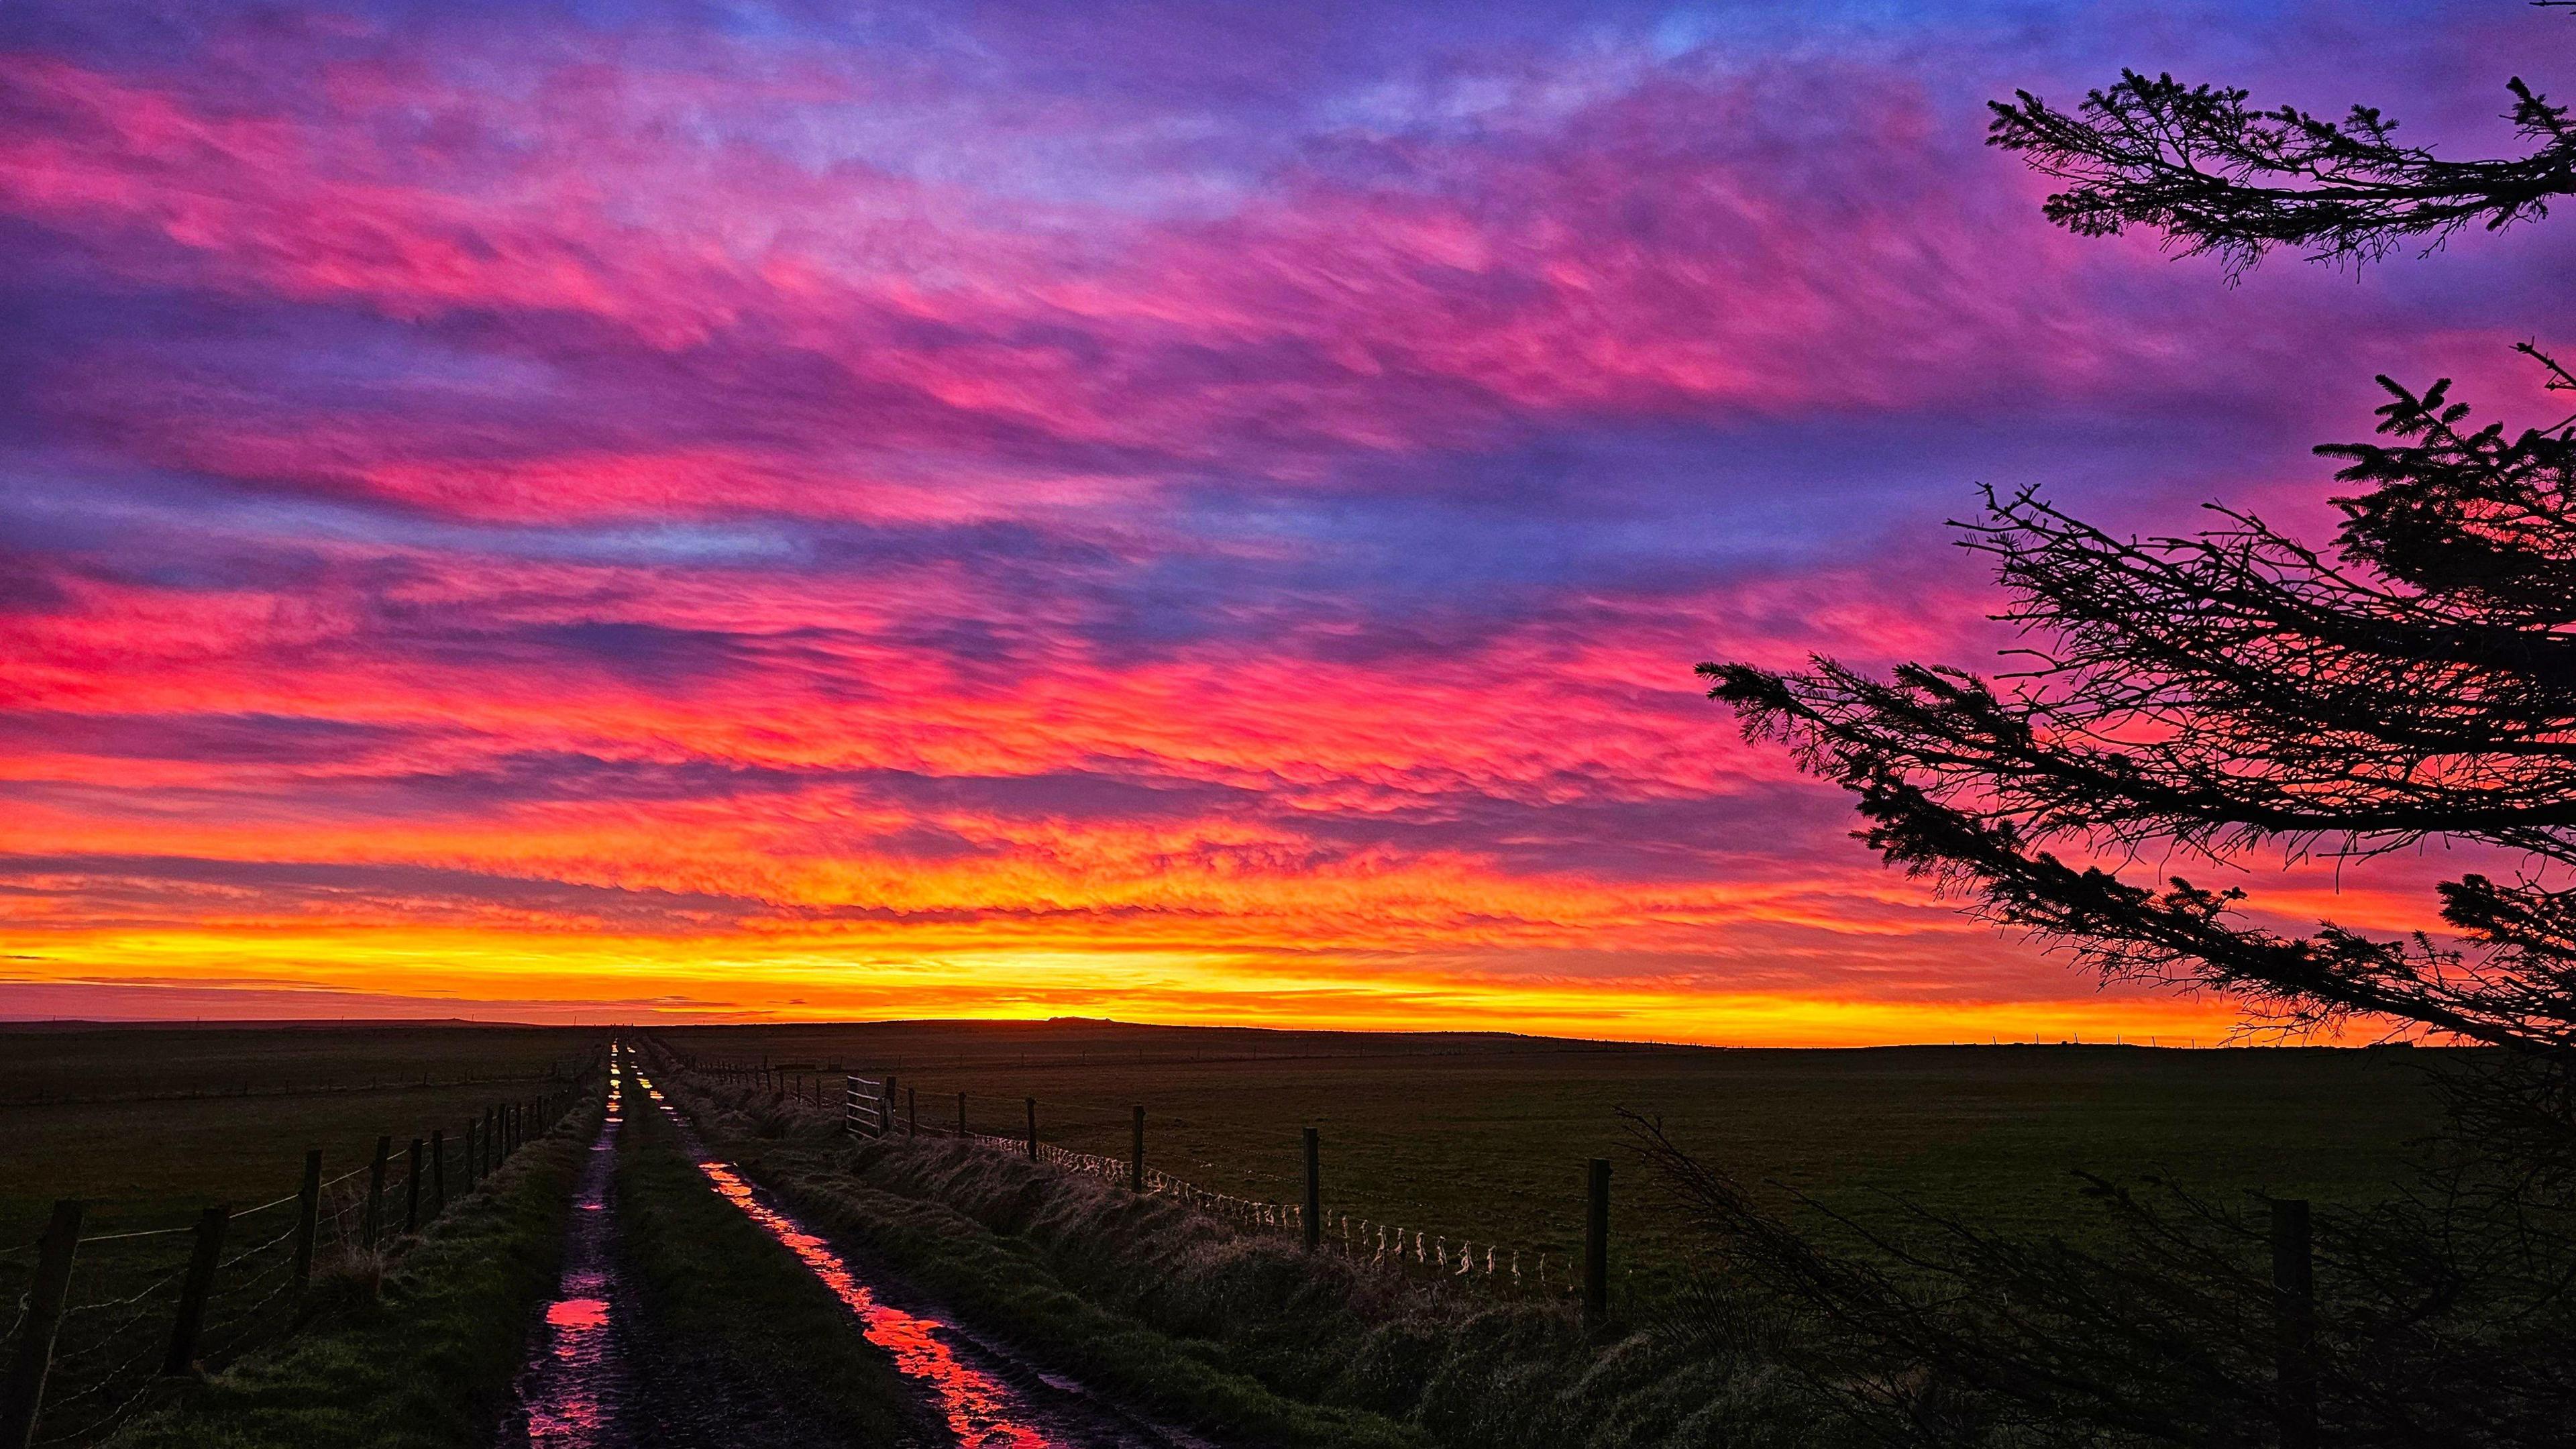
x=1476 y=1137
x=1485 y=1137
x=150 y=1123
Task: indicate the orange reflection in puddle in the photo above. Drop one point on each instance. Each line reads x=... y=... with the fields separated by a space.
x=980 y=1408
x=570 y=1392
x=578 y=1313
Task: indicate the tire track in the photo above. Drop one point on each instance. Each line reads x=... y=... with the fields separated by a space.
x=988 y=1398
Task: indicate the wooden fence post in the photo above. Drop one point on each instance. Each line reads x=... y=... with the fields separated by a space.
x=1033 y=1129
x=308 y=1217
x=193 y=1292
x=376 y=1191
x=411 y=1191
x=24 y=1391
x=437 y=1171
x=2294 y=1300
x=1596 y=1243
x=885 y=1107
x=1313 y=1216
x=1136 y=1155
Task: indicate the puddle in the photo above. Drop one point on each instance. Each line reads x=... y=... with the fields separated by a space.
x=988 y=1400
x=574 y=1390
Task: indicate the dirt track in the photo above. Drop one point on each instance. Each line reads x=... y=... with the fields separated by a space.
x=600 y=1375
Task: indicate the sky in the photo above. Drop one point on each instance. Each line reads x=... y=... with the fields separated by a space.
x=1183 y=512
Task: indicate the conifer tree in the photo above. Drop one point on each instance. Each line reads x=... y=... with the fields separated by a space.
x=2223 y=697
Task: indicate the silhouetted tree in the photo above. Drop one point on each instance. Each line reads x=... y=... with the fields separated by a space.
x=2221 y=696
x=2236 y=689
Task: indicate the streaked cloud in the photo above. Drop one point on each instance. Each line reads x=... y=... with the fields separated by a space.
x=1190 y=513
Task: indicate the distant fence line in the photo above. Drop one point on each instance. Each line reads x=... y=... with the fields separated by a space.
x=875 y=1107
x=99 y=1321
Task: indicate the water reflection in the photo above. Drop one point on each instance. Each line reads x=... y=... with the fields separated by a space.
x=982 y=1410
x=571 y=1392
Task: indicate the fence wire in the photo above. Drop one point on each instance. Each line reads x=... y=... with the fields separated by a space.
x=1417 y=1253
x=113 y=1339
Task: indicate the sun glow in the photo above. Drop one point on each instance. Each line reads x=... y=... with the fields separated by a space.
x=618 y=517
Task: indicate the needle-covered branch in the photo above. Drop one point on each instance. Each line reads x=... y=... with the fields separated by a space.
x=2234 y=691
x=2216 y=174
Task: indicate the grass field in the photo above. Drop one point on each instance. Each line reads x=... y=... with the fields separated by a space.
x=161 y=1120
x=1474 y=1136
x=1485 y=1136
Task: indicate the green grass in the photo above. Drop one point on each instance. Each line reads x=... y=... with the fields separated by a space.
x=426 y=1364
x=153 y=1163
x=89 y=1062
x=1008 y=1282
x=1482 y=1137
x=1248 y=1340
x=1486 y=1137
x=726 y=1307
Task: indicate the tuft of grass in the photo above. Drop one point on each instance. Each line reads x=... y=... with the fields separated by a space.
x=727 y=1307
x=427 y=1360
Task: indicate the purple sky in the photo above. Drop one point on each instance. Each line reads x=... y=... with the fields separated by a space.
x=1188 y=511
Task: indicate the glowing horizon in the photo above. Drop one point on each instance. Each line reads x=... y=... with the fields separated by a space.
x=1182 y=515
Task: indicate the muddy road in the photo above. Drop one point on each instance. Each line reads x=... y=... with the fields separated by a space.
x=601 y=1374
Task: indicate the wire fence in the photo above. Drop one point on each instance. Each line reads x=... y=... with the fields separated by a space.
x=102 y=1326
x=1417 y=1250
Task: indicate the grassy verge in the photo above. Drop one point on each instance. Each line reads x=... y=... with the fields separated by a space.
x=426 y=1362
x=1248 y=1339
x=1245 y=1338
x=729 y=1309
x=1003 y=1284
